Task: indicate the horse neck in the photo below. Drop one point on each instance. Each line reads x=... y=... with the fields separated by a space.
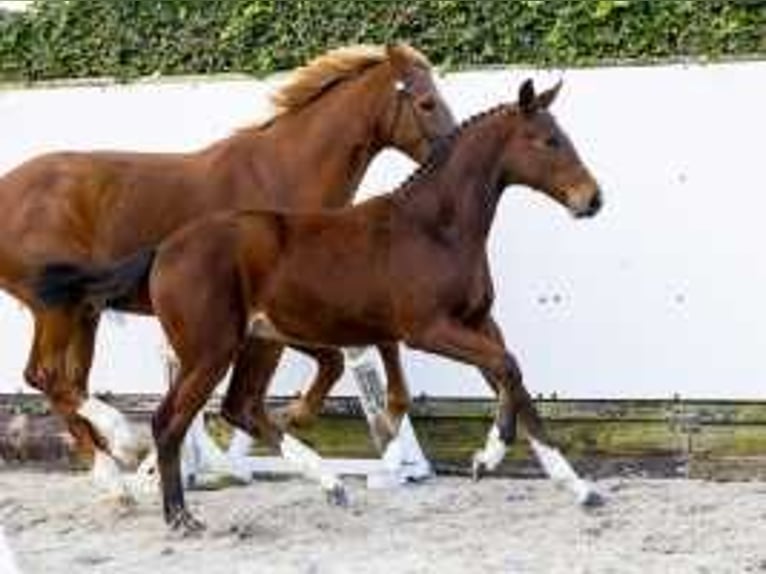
x=323 y=149
x=458 y=199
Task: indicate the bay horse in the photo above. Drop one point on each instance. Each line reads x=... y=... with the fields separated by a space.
x=332 y=117
x=408 y=266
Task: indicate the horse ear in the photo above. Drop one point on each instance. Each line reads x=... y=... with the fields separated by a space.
x=545 y=99
x=397 y=55
x=527 y=100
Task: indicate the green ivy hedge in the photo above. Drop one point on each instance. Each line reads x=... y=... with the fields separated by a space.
x=128 y=38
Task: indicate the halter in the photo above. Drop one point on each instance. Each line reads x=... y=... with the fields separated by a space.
x=403 y=91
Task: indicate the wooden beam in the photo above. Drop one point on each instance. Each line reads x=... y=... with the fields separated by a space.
x=655 y=437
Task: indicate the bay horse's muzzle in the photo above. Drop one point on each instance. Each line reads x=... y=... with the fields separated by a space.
x=592 y=207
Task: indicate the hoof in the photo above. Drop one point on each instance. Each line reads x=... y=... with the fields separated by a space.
x=184 y=523
x=478 y=469
x=337 y=496
x=592 y=500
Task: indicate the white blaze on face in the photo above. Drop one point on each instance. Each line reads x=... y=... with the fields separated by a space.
x=559 y=470
x=113 y=426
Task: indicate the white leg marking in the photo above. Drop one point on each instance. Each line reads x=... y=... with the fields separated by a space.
x=404 y=457
x=309 y=463
x=114 y=427
x=106 y=477
x=238 y=452
x=493 y=452
x=240 y=445
x=146 y=480
x=203 y=461
x=559 y=470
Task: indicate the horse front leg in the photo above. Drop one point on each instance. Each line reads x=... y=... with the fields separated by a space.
x=485 y=349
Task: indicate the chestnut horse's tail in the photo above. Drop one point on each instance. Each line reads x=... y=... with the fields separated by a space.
x=70 y=284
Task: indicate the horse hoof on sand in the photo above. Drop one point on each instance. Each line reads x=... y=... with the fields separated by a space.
x=186 y=524
x=592 y=500
x=337 y=496
x=478 y=470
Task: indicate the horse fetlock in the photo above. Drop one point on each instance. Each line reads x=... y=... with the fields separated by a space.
x=107 y=478
x=507 y=429
x=489 y=457
x=114 y=427
x=557 y=467
x=383 y=430
x=297 y=414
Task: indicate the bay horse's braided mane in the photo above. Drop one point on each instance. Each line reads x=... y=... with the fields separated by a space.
x=444 y=150
x=310 y=81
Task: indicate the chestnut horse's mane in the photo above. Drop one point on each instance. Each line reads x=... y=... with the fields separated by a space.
x=311 y=80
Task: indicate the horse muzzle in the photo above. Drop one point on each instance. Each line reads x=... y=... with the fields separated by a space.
x=590 y=207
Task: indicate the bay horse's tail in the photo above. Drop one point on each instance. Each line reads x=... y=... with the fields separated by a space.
x=70 y=284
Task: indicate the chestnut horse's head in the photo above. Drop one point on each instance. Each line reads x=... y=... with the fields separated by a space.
x=539 y=154
x=417 y=119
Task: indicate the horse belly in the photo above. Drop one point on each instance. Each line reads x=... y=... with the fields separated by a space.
x=309 y=317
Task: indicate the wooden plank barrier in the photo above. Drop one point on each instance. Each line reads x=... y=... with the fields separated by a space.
x=694 y=438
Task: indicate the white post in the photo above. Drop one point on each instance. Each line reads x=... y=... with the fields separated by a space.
x=403 y=459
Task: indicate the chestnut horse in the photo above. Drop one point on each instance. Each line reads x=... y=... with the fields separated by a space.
x=407 y=266
x=331 y=119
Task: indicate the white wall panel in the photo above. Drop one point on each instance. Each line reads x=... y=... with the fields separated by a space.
x=662 y=293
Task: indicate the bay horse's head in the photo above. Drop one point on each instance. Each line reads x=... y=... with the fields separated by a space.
x=540 y=155
x=416 y=119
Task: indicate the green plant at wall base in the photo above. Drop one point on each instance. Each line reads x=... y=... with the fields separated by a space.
x=128 y=38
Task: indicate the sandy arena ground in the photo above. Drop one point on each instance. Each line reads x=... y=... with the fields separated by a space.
x=447 y=526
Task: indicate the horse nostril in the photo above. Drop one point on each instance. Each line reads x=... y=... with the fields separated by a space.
x=596 y=203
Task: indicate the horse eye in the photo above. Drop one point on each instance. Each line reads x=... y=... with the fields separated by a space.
x=553 y=142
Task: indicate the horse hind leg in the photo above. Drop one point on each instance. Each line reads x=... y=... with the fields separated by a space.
x=244 y=406
x=58 y=365
x=302 y=411
x=173 y=417
x=402 y=454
